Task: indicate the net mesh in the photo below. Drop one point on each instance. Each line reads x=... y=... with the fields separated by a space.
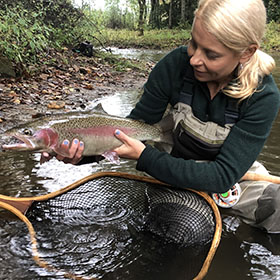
x=178 y=216
x=111 y=226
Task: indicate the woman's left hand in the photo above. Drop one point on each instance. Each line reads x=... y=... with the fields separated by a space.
x=74 y=150
x=131 y=148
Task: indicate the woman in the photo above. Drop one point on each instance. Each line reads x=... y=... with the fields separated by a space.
x=224 y=102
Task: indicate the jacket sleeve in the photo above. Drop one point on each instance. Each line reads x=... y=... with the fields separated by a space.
x=162 y=87
x=239 y=151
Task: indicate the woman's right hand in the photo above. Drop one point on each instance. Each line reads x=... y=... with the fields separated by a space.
x=75 y=151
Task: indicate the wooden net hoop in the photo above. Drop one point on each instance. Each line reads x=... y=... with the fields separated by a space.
x=19 y=206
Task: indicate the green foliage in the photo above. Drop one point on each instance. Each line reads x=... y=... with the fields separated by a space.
x=170 y=13
x=22 y=34
x=273 y=10
x=116 y=17
x=96 y=16
x=272 y=37
x=160 y=38
x=29 y=28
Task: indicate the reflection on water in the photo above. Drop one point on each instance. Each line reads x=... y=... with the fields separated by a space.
x=18 y=176
x=243 y=253
x=263 y=260
x=100 y=227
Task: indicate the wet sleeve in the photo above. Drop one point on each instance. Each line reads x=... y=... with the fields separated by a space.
x=239 y=151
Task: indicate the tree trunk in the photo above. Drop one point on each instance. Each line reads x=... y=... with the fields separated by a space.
x=170 y=14
x=183 y=11
x=154 y=20
x=142 y=7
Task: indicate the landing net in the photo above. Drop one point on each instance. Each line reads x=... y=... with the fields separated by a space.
x=130 y=203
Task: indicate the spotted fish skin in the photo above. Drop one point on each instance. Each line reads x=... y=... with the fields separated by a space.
x=95 y=130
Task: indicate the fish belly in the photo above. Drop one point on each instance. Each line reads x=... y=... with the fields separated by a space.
x=97 y=145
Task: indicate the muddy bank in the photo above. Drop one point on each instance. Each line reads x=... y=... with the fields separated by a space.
x=63 y=87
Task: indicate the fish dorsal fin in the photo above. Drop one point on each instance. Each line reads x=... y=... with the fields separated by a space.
x=99 y=109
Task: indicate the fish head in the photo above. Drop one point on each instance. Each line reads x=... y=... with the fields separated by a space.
x=40 y=140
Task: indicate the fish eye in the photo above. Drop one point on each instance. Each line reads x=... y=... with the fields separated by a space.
x=27 y=132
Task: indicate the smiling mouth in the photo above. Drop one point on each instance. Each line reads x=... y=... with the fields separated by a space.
x=199 y=72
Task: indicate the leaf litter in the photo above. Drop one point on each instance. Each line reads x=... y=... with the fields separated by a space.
x=64 y=81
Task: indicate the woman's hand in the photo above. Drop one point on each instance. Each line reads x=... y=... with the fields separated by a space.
x=131 y=148
x=75 y=151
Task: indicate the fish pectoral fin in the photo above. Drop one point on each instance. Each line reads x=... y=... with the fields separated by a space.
x=112 y=157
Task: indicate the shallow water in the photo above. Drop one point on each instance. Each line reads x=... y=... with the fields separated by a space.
x=109 y=247
x=147 y=54
x=244 y=252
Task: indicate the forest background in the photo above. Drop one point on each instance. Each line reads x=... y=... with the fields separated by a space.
x=30 y=28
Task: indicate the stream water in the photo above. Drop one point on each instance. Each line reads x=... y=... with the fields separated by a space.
x=244 y=252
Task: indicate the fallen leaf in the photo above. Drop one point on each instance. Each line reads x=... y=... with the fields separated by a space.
x=52 y=85
x=16 y=101
x=88 y=86
x=56 y=105
x=44 y=76
x=76 y=68
x=12 y=93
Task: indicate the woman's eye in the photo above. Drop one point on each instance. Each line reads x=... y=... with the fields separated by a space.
x=211 y=55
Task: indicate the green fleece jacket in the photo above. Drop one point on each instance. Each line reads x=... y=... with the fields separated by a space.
x=240 y=149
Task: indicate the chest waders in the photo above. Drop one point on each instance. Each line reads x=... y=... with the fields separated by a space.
x=258 y=204
x=202 y=139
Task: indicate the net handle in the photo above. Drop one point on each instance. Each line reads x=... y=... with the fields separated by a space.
x=20 y=205
x=251 y=176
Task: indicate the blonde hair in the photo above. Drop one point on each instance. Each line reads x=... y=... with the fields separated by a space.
x=238 y=24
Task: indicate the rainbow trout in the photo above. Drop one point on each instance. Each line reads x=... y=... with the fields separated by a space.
x=95 y=130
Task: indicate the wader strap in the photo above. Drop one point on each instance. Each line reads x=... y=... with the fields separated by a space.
x=185 y=98
x=231 y=111
x=186 y=93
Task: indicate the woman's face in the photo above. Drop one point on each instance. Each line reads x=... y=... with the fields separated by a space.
x=211 y=60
